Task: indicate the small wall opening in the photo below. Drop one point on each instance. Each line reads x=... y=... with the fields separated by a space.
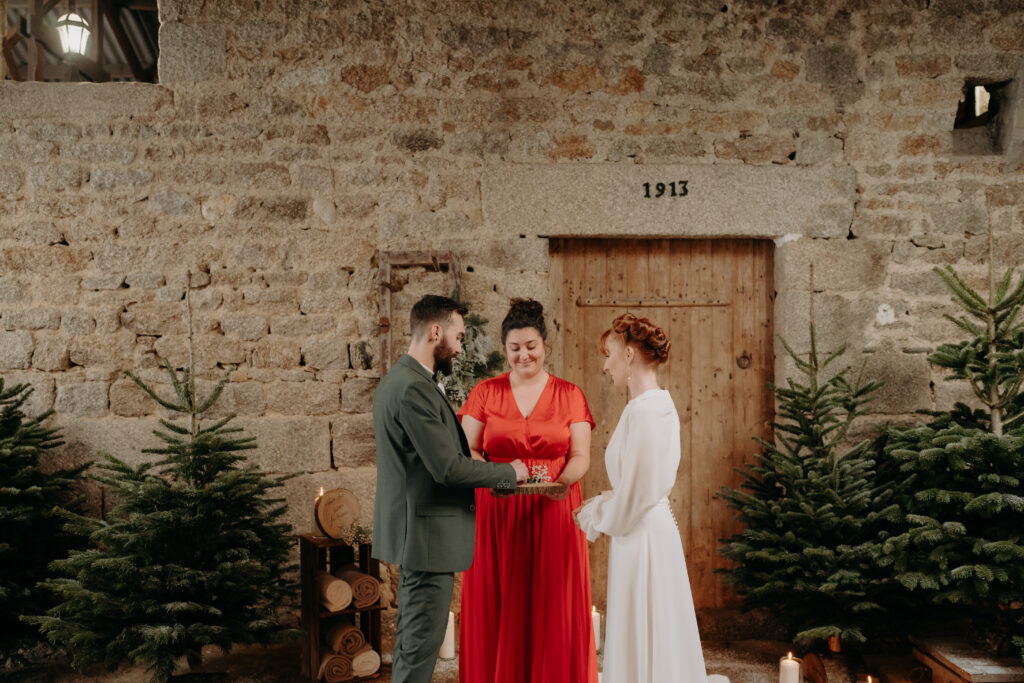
x=980 y=117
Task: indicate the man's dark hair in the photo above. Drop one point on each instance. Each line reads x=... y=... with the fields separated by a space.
x=433 y=309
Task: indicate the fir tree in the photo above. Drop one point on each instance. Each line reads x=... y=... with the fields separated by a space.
x=961 y=546
x=194 y=553
x=814 y=515
x=32 y=509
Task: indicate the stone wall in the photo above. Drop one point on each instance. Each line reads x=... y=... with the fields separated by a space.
x=289 y=141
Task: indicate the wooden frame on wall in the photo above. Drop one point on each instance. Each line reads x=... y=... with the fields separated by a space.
x=440 y=261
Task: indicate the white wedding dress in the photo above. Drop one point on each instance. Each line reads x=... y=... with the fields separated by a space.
x=651 y=628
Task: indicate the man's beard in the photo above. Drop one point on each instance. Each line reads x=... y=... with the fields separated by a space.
x=443 y=356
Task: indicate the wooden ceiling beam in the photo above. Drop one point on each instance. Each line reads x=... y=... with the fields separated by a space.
x=9 y=41
x=113 y=17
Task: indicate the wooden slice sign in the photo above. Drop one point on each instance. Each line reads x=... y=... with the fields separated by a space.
x=335 y=512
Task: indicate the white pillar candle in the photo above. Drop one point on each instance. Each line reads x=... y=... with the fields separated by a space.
x=448 y=646
x=595 y=616
x=789 y=669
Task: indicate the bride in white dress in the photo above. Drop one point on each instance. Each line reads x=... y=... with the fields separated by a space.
x=651 y=634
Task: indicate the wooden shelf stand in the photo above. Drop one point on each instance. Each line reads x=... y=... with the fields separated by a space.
x=319 y=553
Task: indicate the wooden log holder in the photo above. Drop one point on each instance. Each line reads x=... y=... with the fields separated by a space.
x=316 y=554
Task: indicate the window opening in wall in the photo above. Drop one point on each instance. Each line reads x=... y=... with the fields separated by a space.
x=122 y=43
x=976 y=128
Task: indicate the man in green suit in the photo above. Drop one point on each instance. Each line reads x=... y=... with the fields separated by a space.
x=424 y=517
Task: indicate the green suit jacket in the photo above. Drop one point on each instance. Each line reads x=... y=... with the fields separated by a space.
x=424 y=516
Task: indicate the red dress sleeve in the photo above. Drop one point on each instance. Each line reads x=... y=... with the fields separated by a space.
x=474 y=405
x=579 y=411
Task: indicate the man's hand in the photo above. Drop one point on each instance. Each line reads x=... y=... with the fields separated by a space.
x=522 y=474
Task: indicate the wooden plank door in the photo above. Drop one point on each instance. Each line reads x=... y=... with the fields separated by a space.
x=714 y=298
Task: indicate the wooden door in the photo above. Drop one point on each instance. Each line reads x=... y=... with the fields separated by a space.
x=714 y=298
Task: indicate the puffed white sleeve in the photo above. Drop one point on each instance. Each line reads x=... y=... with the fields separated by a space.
x=647 y=474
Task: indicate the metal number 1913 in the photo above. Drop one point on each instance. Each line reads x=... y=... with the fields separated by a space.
x=672 y=189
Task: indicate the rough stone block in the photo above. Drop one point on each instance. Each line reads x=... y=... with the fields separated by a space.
x=839 y=265
x=244 y=326
x=55 y=178
x=831 y=64
x=51 y=353
x=838 y=320
x=238 y=398
x=37 y=232
x=106 y=179
x=313 y=179
x=11 y=179
x=919 y=283
x=958 y=217
x=104 y=349
x=614 y=203
x=144 y=280
x=96 y=101
x=326 y=353
x=77 y=321
x=16 y=350
x=353 y=440
x=289 y=444
x=121 y=437
x=210 y=350
x=128 y=399
x=32 y=319
x=192 y=52
x=301 y=325
x=906 y=381
x=303 y=398
x=357 y=394
x=99 y=152
x=276 y=352
x=43 y=391
x=172 y=203
x=97 y=281
x=154 y=318
x=87 y=399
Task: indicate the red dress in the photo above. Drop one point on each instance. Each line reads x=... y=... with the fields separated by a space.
x=526 y=598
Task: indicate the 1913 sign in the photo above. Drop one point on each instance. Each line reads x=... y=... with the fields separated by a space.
x=673 y=189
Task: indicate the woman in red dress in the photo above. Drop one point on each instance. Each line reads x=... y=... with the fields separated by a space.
x=526 y=598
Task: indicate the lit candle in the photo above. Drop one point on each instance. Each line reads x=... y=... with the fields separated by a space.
x=595 y=617
x=316 y=526
x=448 y=646
x=790 y=669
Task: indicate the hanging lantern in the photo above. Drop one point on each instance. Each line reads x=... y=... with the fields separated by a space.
x=74 y=33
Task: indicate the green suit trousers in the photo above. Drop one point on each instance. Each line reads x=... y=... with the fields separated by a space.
x=423 y=601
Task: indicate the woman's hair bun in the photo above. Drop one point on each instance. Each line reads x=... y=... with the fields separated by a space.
x=524 y=313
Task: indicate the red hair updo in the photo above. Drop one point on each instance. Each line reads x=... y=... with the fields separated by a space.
x=648 y=339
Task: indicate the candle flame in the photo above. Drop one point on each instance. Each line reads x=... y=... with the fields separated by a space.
x=869 y=679
x=321 y=492
x=789 y=655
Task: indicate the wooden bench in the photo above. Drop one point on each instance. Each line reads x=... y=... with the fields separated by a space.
x=953 y=661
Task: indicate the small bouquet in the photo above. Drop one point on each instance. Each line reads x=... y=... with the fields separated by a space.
x=539 y=481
